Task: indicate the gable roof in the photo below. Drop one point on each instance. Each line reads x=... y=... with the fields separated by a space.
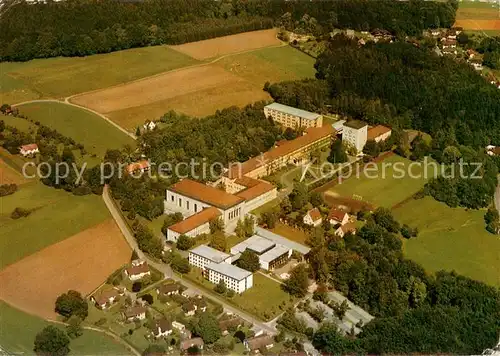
x=376 y=131
x=135 y=166
x=337 y=214
x=198 y=219
x=134 y=311
x=138 y=269
x=225 y=324
x=314 y=214
x=186 y=344
x=257 y=342
x=255 y=191
x=163 y=325
x=170 y=287
x=205 y=193
x=30 y=147
x=102 y=297
x=311 y=135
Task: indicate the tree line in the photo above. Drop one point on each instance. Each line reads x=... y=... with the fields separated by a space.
x=80 y=28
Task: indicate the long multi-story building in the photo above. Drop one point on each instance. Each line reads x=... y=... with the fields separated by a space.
x=292 y=117
x=355 y=134
x=235 y=278
x=204 y=255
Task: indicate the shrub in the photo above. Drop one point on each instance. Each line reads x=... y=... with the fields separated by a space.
x=19 y=213
x=101 y=321
x=148 y=298
x=7 y=189
x=136 y=287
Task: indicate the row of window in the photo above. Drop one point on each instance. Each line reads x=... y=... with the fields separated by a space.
x=234 y=213
x=179 y=202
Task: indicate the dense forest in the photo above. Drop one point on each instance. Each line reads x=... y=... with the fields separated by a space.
x=80 y=27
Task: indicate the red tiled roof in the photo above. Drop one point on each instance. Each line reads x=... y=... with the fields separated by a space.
x=258 y=342
x=104 y=295
x=205 y=193
x=377 y=131
x=255 y=191
x=30 y=147
x=135 y=270
x=135 y=166
x=186 y=344
x=314 y=214
x=195 y=220
x=134 y=311
x=312 y=134
x=337 y=214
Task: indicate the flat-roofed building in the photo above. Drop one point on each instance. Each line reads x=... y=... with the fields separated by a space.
x=271 y=254
x=295 y=152
x=275 y=257
x=194 y=225
x=255 y=243
x=278 y=239
x=379 y=133
x=289 y=116
x=203 y=255
x=235 y=278
x=355 y=134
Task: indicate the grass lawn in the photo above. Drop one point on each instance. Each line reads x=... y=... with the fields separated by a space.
x=265 y=299
x=63 y=76
x=18 y=123
x=451 y=239
x=290 y=233
x=56 y=215
x=18 y=331
x=384 y=189
x=84 y=127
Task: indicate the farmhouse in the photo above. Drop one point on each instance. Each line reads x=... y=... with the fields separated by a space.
x=355 y=134
x=292 y=117
x=29 y=150
x=235 y=278
x=135 y=313
x=344 y=229
x=254 y=344
x=168 y=289
x=271 y=255
x=162 y=328
x=379 y=133
x=203 y=255
x=295 y=152
x=138 y=270
x=196 y=341
x=312 y=217
x=337 y=216
x=106 y=297
x=138 y=167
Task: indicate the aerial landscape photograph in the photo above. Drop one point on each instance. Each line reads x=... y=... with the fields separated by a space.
x=245 y=177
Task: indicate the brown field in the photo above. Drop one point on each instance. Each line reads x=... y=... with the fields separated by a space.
x=477 y=13
x=81 y=262
x=471 y=24
x=220 y=46
x=8 y=175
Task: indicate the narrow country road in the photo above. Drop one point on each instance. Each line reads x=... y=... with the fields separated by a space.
x=268 y=327
x=497 y=195
x=67 y=102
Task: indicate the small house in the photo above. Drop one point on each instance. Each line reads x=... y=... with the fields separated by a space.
x=29 y=150
x=189 y=308
x=225 y=325
x=200 y=304
x=139 y=269
x=106 y=297
x=337 y=216
x=379 y=133
x=162 y=328
x=345 y=229
x=313 y=217
x=257 y=343
x=149 y=125
x=135 y=313
x=138 y=167
x=196 y=341
x=168 y=289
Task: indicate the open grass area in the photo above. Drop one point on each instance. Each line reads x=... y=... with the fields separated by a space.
x=63 y=76
x=381 y=186
x=18 y=123
x=18 y=331
x=265 y=299
x=451 y=239
x=290 y=233
x=55 y=216
x=84 y=127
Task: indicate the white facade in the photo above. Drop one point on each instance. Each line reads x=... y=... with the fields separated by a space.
x=232 y=282
x=260 y=200
x=355 y=136
x=178 y=326
x=203 y=255
x=292 y=117
x=343 y=221
x=161 y=333
x=28 y=152
x=202 y=229
x=308 y=220
x=136 y=277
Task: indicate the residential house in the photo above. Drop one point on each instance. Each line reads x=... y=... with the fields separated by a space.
x=200 y=304
x=477 y=63
x=337 y=216
x=104 y=298
x=345 y=229
x=450 y=51
x=195 y=341
x=449 y=43
x=135 y=313
x=379 y=133
x=312 y=217
x=149 y=125
x=179 y=326
x=257 y=343
x=227 y=324
x=168 y=289
x=138 y=167
x=138 y=270
x=189 y=308
x=162 y=328
x=29 y=150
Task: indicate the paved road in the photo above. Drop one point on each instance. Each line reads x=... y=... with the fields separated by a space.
x=497 y=195
x=267 y=327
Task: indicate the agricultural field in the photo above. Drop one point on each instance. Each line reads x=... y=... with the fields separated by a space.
x=55 y=215
x=18 y=331
x=479 y=17
x=233 y=80
x=62 y=76
x=95 y=133
x=225 y=45
x=451 y=239
x=384 y=186
x=9 y=175
x=81 y=262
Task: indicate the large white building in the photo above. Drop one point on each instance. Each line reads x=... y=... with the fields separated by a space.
x=235 y=278
x=292 y=117
x=271 y=254
x=355 y=134
x=194 y=225
x=203 y=255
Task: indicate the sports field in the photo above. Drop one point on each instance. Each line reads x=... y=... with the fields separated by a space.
x=95 y=133
x=233 y=80
x=56 y=215
x=451 y=239
x=18 y=331
x=60 y=77
x=221 y=46
x=81 y=262
x=479 y=16
x=386 y=183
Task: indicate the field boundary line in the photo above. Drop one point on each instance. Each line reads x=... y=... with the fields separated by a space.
x=67 y=102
